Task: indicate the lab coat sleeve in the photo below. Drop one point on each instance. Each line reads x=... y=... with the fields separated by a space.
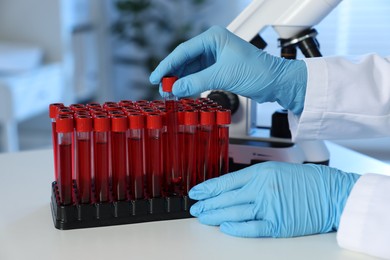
x=365 y=222
x=345 y=98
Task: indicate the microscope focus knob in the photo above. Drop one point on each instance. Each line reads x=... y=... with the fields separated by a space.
x=280 y=127
x=226 y=99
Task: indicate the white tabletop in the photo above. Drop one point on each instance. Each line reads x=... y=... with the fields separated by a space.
x=27 y=230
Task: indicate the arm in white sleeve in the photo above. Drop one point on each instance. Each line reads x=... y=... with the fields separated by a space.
x=365 y=221
x=345 y=98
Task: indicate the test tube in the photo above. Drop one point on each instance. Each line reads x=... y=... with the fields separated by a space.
x=153 y=153
x=84 y=157
x=173 y=175
x=206 y=124
x=64 y=148
x=53 y=111
x=182 y=145
x=223 y=119
x=135 y=143
x=118 y=156
x=191 y=121
x=101 y=157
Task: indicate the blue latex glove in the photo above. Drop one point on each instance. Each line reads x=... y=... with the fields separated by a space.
x=218 y=59
x=274 y=199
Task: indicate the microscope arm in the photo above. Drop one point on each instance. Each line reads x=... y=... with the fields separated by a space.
x=287 y=17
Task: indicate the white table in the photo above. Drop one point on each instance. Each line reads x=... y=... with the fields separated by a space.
x=27 y=230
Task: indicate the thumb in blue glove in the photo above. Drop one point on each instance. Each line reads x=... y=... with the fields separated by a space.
x=218 y=59
x=274 y=199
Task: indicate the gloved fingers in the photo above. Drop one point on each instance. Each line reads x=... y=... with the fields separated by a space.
x=239 y=213
x=254 y=228
x=183 y=54
x=227 y=182
x=224 y=200
x=195 y=83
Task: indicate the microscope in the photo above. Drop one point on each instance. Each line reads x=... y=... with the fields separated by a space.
x=292 y=20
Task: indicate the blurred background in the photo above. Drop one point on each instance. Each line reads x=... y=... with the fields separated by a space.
x=77 y=51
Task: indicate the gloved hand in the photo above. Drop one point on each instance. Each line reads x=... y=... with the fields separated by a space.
x=218 y=59
x=274 y=199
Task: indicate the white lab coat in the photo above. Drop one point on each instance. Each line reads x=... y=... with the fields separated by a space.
x=350 y=98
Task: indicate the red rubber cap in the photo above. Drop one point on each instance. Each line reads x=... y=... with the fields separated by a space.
x=65 y=124
x=109 y=103
x=112 y=107
x=93 y=105
x=207 y=117
x=101 y=123
x=83 y=123
x=125 y=103
x=78 y=107
x=65 y=111
x=82 y=113
x=187 y=100
x=167 y=83
x=118 y=123
x=191 y=117
x=136 y=120
x=154 y=121
x=223 y=117
x=94 y=113
x=53 y=109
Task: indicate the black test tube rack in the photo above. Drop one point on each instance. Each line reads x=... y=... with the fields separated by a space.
x=78 y=216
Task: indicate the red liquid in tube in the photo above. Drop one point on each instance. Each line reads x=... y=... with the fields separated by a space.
x=101 y=157
x=84 y=157
x=173 y=175
x=135 y=148
x=190 y=153
x=118 y=156
x=153 y=155
x=64 y=148
x=206 y=168
x=223 y=119
x=53 y=112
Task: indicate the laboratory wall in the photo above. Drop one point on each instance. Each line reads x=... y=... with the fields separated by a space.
x=34 y=22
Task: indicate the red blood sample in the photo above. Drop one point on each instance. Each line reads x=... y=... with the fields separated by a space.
x=173 y=175
x=64 y=158
x=135 y=147
x=190 y=155
x=223 y=119
x=101 y=157
x=53 y=111
x=153 y=155
x=205 y=152
x=118 y=156
x=84 y=157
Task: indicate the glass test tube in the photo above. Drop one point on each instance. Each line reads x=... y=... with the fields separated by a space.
x=191 y=120
x=101 y=157
x=214 y=154
x=53 y=111
x=64 y=149
x=223 y=119
x=118 y=156
x=173 y=175
x=182 y=145
x=153 y=155
x=135 y=153
x=206 y=124
x=84 y=158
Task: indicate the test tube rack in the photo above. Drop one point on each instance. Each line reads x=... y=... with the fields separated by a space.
x=77 y=216
x=78 y=199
